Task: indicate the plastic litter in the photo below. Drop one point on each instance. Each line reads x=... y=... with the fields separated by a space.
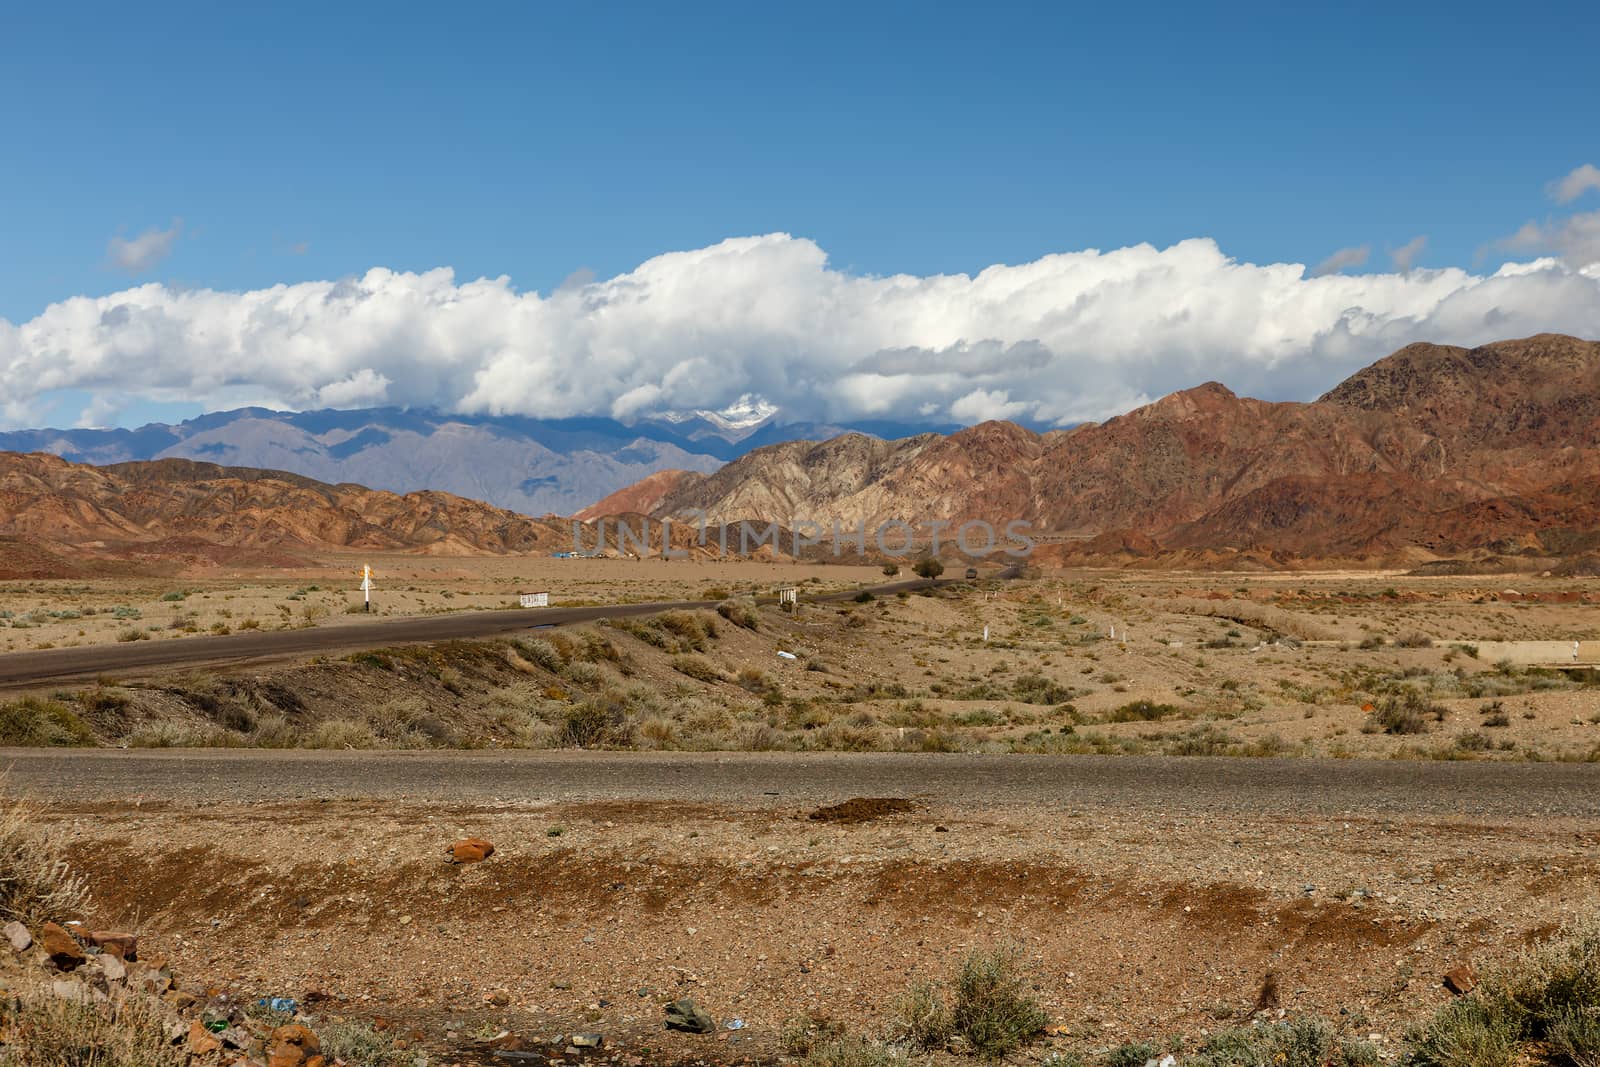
x=788 y=655
x=287 y=1005
x=735 y=1024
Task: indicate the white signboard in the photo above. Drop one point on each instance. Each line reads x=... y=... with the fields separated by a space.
x=535 y=600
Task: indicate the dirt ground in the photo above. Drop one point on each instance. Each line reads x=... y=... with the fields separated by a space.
x=41 y=614
x=1135 y=923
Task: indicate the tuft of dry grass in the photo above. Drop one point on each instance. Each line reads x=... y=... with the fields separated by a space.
x=36 y=883
x=46 y=1031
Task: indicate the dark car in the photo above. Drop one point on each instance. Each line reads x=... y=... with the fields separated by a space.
x=972 y=572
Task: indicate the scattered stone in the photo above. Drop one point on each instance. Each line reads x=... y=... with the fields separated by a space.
x=471 y=850
x=1461 y=979
x=588 y=1040
x=113 y=967
x=18 y=935
x=61 y=947
x=67 y=989
x=123 y=946
x=294 y=1046
x=202 y=1042
x=689 y=1017
x=499 y=998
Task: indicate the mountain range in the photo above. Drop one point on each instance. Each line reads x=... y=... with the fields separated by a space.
x=1435 y=450
x=1431 y=453
x=535 y=466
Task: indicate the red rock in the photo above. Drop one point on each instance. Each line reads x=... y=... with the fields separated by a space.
x=1461 y=979
x=294 y=1046
x=201 y=1041
x=123 y=946
x=471 y=850
x=63 y=950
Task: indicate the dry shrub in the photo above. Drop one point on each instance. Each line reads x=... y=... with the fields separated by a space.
x=696 y=667
x=741 y=612
x=46 y=1031
x=36 y=884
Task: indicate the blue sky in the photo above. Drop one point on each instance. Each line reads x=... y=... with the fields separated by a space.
x=300 y=142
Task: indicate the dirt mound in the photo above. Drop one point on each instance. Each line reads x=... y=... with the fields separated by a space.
x=863 y=809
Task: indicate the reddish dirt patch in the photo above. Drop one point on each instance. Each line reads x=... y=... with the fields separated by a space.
x=862 y=809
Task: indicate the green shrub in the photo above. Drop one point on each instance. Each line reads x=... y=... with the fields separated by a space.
x=1301 y=1042
x=1133 y=1054
x=541 y=653
x=597 y=723
x=990 y=1008
x=1037 y=689
x=362 y=1046
x=923 y=1021
x=34 y=722
x=1141 y=711
x=1542 y=1005
x=1405 y=712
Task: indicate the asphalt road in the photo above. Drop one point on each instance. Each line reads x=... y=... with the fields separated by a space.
x=55 y=666
x=1047 y=784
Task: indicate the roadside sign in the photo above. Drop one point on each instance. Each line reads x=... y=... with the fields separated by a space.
x=534 y=600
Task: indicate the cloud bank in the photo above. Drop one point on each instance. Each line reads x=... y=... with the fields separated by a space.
x=1079 y=335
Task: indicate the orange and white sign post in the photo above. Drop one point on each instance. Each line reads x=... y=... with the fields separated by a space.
x=366 y=587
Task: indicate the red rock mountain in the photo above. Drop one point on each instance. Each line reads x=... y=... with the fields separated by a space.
x=1435 y=448
x=53 y=513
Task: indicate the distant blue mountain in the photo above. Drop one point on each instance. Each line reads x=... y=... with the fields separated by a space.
x=536 y=466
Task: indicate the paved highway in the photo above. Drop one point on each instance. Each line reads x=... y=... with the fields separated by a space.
x=1287 y=788
x=57 y=666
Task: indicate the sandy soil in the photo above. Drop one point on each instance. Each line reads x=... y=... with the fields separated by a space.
x=1136 y=922
x=63 y=614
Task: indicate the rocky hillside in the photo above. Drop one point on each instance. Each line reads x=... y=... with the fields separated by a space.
x=535 y=466
x=52 y=511
x=1434 y=448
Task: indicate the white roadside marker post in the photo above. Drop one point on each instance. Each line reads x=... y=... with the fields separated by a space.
x=366 y=587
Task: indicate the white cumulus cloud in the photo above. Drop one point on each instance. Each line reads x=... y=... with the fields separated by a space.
x=1067 y=337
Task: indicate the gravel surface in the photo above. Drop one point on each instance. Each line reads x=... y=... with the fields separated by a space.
x=1196 y=785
